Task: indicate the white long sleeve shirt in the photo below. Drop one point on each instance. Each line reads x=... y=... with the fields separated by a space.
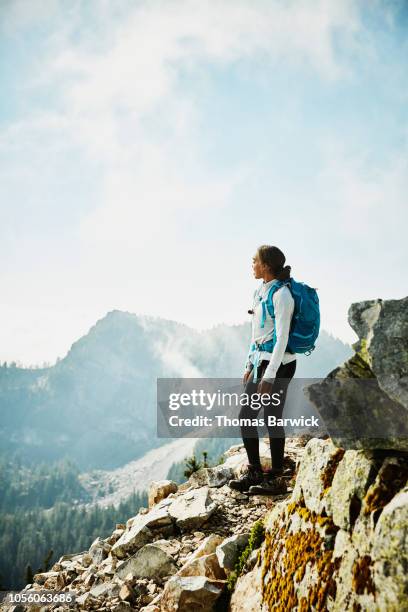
x=284 y=305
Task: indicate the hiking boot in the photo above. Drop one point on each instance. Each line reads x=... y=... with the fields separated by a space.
x=273 y=483
x=253 y=475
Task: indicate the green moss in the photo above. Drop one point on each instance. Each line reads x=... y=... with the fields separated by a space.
x=256 y=537
x=357 y=367
x=363 y=352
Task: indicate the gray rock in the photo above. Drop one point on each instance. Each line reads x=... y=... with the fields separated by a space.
x=132 y=540
x=390 y=553
x=151 y=561
x=192 y=509
x=355 y=472
x=229 y=550
x=97 y=551
x=105 y=589
x=141 y=529
x=247 y=595
x=212 y=477
x=382 y=326
x=190 y=594
x=364 y=403
x=319 y=457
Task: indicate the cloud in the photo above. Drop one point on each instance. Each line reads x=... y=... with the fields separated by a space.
x=112 y=143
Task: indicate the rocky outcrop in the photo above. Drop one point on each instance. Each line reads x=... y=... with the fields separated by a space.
x=339 y=542
x=178 y=554
x=364 y=403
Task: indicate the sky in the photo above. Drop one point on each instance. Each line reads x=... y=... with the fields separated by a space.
x=148 y=148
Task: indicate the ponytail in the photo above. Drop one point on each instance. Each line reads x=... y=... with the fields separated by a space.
x=275 y=260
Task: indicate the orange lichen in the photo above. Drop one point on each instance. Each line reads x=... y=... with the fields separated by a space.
x=361 y=576
x=391 y=479
x=287 y=556
x=328 y=473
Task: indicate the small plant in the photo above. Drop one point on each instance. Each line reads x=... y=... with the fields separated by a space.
x=192 y=465
x=205 y=455
x=256 y=537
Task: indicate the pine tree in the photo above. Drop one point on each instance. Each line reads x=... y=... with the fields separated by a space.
x=192 y=465
x=205 y=455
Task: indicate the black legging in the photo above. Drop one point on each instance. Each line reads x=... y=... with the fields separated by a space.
x=276 y=434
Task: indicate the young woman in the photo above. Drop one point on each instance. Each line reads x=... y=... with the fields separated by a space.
x=268 y=369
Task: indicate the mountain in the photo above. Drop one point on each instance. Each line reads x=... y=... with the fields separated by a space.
x=331 y=534
x=97 y=405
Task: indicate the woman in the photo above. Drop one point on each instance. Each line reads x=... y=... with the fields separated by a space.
x=269 y=369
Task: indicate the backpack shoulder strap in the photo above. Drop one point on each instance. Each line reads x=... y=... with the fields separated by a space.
x=267 y=303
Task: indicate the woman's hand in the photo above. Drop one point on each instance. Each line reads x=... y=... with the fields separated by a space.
x=265 y=386
x=246 y=376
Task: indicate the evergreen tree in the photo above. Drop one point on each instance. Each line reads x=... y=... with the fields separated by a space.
x=192 y=465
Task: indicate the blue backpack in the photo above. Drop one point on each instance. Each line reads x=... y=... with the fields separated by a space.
x=305 y=325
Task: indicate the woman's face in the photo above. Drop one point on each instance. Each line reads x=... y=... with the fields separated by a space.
x=257 y=266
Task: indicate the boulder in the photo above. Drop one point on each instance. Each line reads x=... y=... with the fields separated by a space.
x=207 y=546
x=190 y=594
x=230 y=549
x=211 y=477
x=316 y=472
x=192 y=509
x=247 y=594
x=159 y=490
x=105 y=589
x=364 y=403
x=141 y=528
x=204 y=565
x=382 y=328
x=151 y=561
x=390 y=553
x=355 y=472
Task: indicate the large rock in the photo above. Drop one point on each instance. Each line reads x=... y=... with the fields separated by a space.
x=247 y=595
x=204 y=565
x=390 y=553
x=160 y=489
x=355 y=472
x=141 y=529
x=316 y=472
x=151 y=561
x=98 y=551
x=228 y=552
x=212 y=477
x=207 y=546
x=133 y=539
x=105 y=589
x=382 y=326
x=364 y=403
x=190 y=594
x=193 y=508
